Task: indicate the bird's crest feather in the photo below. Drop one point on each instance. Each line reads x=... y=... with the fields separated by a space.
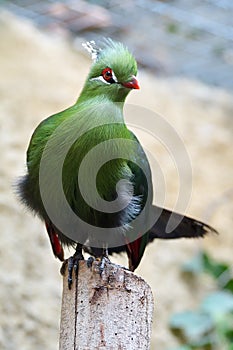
x=93 y=49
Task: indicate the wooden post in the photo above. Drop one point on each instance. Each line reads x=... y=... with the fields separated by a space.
x=110 y=312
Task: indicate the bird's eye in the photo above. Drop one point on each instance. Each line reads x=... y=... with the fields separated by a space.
x=107 y=74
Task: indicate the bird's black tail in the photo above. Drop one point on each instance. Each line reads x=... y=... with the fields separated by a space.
x=186 y=227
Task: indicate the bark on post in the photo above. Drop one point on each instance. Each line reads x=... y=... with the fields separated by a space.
x=112 y=312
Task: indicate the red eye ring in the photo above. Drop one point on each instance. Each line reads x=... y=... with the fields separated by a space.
x=107 y=74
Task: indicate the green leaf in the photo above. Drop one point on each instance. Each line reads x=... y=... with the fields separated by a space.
x=195 y=265
x=183 y=347
x=229 y=335
x=218 y=303
x=202 y=262
x=212 y=267
x=193 y=325
x=229 y=285
x=172 y=28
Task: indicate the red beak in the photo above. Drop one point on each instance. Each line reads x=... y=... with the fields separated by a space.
x=132 y=84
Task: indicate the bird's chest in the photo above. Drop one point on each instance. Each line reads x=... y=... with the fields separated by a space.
x=96 y=170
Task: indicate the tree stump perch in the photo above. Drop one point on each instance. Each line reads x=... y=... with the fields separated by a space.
x=110 y=312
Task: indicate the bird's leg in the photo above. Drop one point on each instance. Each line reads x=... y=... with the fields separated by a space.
x=103 y=260
x=73 y=264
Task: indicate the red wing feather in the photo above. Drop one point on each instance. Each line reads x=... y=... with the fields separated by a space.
x=54 y=240
x=133 y=254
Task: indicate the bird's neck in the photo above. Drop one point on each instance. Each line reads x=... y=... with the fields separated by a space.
x=90 y=92
x=100 y=107
x=99 y=110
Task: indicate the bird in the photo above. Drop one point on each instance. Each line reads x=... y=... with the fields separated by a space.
x=88 y=177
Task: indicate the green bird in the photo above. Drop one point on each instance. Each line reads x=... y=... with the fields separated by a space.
x=88 y=177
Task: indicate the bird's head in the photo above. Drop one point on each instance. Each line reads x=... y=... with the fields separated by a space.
x=113 y=71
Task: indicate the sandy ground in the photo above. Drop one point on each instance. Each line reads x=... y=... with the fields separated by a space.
x=42 y=75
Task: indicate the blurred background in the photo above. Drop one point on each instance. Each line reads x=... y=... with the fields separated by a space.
x=185 y=56
x=172 y=38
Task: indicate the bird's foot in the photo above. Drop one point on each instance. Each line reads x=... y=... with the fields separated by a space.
x=90 y=261
x=73 y=265
x=104 y=260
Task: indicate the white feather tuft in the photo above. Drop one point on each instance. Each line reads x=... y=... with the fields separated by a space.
x=92 y=48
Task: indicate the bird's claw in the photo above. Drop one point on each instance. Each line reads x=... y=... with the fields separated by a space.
x=73 y=265
x=102 y=264
x=90 y=261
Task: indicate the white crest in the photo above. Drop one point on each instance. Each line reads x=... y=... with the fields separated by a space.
x=92 y=48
